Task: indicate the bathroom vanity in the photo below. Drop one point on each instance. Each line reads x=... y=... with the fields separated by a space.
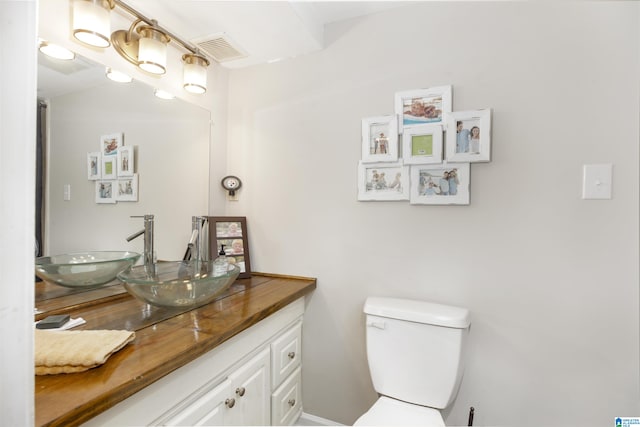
x=235 y=361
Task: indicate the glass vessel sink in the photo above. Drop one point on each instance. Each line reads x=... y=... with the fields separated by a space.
x=184 y=284
x=84 y=269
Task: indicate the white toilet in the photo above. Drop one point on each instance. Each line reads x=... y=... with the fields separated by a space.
x=415 y=350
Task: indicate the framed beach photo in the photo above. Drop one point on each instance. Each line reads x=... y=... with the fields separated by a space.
x=94 y=165
x=231 y=232
x=446 y=184
x=125 y=161
x=469 y=136
x=422 y=144
x=422 y=106
x=105 y=191
x=127 y=189
x=383 y=181
x=380 y=139
x=109 y=167
x=109 y=144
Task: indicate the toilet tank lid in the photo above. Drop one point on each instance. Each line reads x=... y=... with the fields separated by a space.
x=418 y=311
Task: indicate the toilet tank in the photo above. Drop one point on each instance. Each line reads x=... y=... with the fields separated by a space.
x=415 y=349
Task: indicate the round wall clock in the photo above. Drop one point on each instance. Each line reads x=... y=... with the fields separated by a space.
x=231 y=184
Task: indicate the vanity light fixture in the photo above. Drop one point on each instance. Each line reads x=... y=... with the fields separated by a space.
x=144 y=44
x=91 y=21
x=152 y=49
x=195 y=73
x=56 y=51
x=118 y=76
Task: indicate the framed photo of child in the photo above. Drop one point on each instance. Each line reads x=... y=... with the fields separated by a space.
x=422 y=106
x=380 y=139
x=422 y=144
x=468 y=136
x=126 y=161
x=446 y=184
x=230 y=233
x=94 y=166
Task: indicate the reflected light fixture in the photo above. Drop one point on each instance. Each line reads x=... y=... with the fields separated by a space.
x=118 y=76
x=163 y=94
x=56 y=51
x=91 y=21
x=195 y=73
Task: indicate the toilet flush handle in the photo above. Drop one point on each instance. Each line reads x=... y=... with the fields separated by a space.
x=379 y=325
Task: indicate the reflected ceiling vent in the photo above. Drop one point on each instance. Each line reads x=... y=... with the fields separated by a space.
x=219 y=47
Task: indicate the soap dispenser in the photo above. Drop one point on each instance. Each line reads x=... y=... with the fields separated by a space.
x=221 y=264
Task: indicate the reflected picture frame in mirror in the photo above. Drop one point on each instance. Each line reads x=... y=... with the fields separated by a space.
x=231 y=231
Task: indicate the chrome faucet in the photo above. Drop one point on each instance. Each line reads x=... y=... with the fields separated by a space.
x=149 y=263
x=195 y=243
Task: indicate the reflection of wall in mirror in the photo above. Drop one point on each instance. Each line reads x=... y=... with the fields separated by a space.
x=172 y=142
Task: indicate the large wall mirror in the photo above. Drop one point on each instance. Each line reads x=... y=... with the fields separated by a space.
x=170 y=139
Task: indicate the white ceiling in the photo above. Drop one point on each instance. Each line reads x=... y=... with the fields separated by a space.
x=264 y=30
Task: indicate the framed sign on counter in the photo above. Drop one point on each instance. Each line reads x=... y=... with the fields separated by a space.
x=231 y=231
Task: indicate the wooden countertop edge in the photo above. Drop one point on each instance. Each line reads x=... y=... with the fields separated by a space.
x=93 y=407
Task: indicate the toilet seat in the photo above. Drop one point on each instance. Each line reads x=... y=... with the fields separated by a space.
x=391 y=412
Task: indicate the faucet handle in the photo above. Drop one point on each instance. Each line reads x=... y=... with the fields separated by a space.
x=146 y=216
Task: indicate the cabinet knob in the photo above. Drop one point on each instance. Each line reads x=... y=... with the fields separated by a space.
x=230 y=403
x=292 y=402
x=292 y=355
x=240 y=391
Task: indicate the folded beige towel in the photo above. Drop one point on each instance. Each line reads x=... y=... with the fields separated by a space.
x=76 y=351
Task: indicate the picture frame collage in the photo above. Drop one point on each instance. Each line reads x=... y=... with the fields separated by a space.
x=112 y=169
x=437 y=147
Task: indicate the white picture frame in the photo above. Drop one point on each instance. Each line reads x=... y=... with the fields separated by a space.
x=422 y=106
x=380 y=139
x=105 y=191
x=127 y=189
x=462 y=147
x=422 y=144
x=374 y=185
x=432 y=184
x=94 y=166
x=109 y=167
x=109 y=144
x=126 y=161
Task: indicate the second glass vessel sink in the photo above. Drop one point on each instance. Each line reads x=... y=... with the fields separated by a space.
x=84 y=269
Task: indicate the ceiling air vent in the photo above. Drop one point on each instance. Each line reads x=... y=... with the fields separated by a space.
x=219 y=47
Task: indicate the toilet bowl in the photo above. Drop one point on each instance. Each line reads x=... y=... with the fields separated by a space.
x=392 y=412
x=414 y=350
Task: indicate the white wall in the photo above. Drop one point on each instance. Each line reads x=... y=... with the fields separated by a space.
x=17 y=189
x=551 y=279
x=171 y=142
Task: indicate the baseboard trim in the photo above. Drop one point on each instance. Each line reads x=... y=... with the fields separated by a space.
x=314 y=420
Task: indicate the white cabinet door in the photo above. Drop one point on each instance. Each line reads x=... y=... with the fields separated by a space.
x=251 y=387
x=209 y=409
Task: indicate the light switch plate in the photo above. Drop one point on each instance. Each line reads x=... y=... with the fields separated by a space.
x=596 y=182
x=67 y=192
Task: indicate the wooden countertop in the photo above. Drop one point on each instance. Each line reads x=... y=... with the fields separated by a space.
x=165 y=340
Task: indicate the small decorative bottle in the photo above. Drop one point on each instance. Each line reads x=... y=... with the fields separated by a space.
x=220 y=265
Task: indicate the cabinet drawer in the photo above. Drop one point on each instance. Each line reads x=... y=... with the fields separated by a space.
x=286 y=354
x=286 y=401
